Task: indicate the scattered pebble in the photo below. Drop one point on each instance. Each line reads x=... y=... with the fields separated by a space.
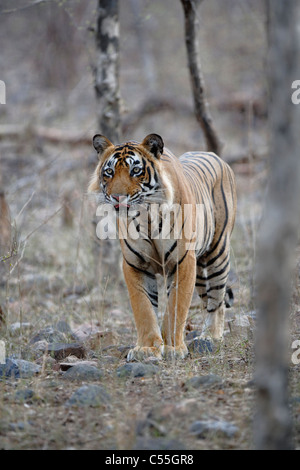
x=137 y=369
x=62 y=350
x=192 y=335
x=202 y=429
x=201 y=346
x=83 y=372
x=25 y=395
x=89 y=395
x=50 y=335
x=205 y=381
x=72 y=361
x=18 y=368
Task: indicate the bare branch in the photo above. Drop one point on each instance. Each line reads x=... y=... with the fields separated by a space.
x=201 y=108
x=24 y=7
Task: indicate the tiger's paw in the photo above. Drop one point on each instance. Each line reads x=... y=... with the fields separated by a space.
x=175 y=352
x=140 y=353
x=215 y=337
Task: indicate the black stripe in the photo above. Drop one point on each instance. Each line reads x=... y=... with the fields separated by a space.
x=170 y=251
x=134 y=251
x=216 y=288
x=212 y=260
x=218 y=273
x=152 y=276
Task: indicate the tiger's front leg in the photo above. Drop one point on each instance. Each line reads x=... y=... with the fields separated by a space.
x=178 y=307
x=142 y=288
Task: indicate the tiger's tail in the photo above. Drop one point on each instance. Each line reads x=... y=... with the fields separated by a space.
x=229 y=297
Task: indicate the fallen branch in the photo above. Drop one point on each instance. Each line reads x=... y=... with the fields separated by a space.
x=52 y=135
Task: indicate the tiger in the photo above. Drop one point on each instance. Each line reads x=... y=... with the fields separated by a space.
x=144 y=174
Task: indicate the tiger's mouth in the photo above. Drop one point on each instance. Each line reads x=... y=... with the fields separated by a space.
x=118 y=205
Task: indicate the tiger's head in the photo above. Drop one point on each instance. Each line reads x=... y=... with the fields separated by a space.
x=130 y=173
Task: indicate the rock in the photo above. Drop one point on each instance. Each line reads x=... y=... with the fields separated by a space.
x=25 y=395
x=61 y=350
x=94 y=338
x=201 y=346
x=157 y=444
x=137 y=369
x=192 y=335
x=85 y=331
x=83 y=372
x=118 y=351
x=18 y=368
x=37 y=349
x=89 y=395
x=46 y=361
x=16 y=328
x=204 y=381
x=64 y=366
x=241 y=326
x=50 y=335
x=202 y=429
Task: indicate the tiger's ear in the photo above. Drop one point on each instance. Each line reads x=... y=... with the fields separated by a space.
x=101 y=143
x=154 y=144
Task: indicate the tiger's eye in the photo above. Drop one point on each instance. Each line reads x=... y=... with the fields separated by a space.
x=136 y=170
x=109 y=171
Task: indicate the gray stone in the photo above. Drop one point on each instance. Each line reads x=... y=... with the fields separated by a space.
x=201 y=346
x=49 y=334
x=202 y=429
x=61 y=350
x=89 y=395
x=192 y=335
x=137 y=369
x=83 y=372
x=205 y=381
x=18 y=368
x=25 y=395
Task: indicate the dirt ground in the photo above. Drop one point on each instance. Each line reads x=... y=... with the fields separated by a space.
x=60 y=272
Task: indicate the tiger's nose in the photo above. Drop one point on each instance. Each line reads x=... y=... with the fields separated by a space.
x=116 y=197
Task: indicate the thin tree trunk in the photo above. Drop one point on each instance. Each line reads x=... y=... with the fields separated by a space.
x=278 y=231
x=107 y=69
x=201 y=108
x=108 y=94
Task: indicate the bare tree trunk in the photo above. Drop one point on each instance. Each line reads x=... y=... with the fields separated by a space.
x=107 y=69
x=278 y=231
x=201 y=108
x=107 y=252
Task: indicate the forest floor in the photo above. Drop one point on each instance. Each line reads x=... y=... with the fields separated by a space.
x=61 y=287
